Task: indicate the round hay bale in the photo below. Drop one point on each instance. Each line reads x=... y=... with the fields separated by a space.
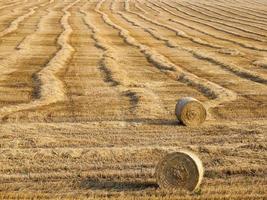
x=190 y=111
x=179 y=170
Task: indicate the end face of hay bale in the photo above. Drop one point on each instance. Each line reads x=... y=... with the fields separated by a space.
x=190 y=111
x=179 y=170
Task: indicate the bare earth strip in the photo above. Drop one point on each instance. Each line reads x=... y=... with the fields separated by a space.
x=88 y=90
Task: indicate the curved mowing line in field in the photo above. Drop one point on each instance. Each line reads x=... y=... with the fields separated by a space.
x=112 y=72
x=218 y=20
x=12 y=14
x=10 y=5
x=205 y=23
x=261 y=63
x=179 y=33
x=51 y=88
x=241 y=44
x=24 y=43
x=208 y=88
x=8 y=64
x=226 y=18
x=145 y=3
x=242 y=13
x=117 y=76
x=139 y=7
x=243 y=73
x=244 y=45
x=233 y=14
x=14 y=24
x=257 y=3
x=229 y=14
x=209 y=18
x=109 y=66
x=261 y=14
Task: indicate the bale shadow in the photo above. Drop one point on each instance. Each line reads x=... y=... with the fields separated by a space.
x=165 y=122
x=119 y=186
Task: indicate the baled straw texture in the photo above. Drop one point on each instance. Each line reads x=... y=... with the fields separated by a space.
x=190 y=111
x=179 y=170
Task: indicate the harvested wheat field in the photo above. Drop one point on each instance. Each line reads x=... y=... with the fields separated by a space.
x=88 y=91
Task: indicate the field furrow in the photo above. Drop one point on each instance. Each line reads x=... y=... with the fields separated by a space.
x=234 y=28
x=190 y=65
x=48 y=88
x=218 y=13
x=13 y=25
x=247 y=58
x=211 y=90
x=12 y=4
x=243 y=12
x=232 y=68
x=127 y=81
x=14 y=11
x=206 y=16
x=17 y=28
x=232 y=14
x=14 y=62
x=226 y=32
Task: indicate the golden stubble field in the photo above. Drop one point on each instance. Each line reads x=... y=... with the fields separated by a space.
x=88 y=91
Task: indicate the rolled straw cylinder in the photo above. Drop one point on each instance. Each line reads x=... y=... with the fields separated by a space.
x=190 y=111
x=179 y=170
